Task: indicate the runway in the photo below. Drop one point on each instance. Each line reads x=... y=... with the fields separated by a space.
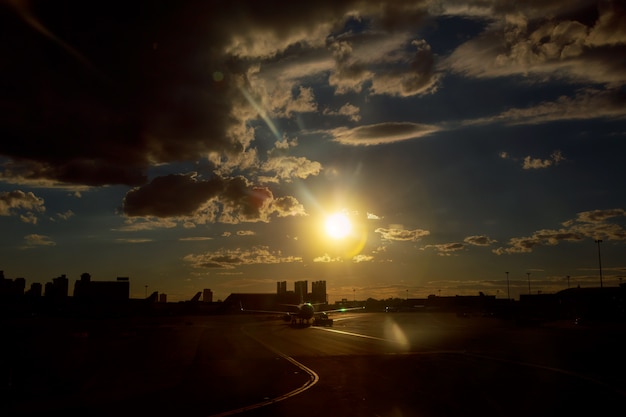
x=367 y=364
x=438 y=364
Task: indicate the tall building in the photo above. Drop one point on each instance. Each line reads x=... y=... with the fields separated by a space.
x=58 y=288
x=301 y=288
x=11 y=287
x=281 y=287
x=35 y=290
x=318 y=291
x=207 y=295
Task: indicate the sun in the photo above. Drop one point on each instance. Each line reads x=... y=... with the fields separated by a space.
x=338 y=225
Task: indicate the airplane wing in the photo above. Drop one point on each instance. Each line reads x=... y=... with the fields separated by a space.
x=340 y=310
x=266 y=311
x=298 y=305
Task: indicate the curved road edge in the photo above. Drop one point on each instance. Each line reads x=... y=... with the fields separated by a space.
x=313 y=379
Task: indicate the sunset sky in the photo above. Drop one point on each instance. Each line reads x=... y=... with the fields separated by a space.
x=192 y=145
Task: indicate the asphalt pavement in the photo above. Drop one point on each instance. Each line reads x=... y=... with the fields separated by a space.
x=367 y=364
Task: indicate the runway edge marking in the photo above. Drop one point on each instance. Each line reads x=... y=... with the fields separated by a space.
x=313 y=379
x=364 y=336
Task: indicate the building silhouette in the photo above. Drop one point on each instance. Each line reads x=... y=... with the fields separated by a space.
x=301 y=288
x=113 y=291
x=207 y=295
x=11 y=288
x=58 y=288
x=35 y=290
x=318 y=292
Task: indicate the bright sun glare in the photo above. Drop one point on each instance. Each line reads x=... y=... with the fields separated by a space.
x=338 y=225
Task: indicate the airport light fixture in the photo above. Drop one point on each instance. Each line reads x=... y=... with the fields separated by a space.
x=508 y=288
x=598 y=241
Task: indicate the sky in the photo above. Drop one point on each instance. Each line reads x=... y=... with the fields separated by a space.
x=469 y=146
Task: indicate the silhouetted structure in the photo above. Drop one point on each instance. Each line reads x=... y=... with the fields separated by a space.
x=112 y=291
x=318 y=292
x=251 y=301
x=112 y=297
x=58 y=288
x=261 y=301
x=35 y=290
x=604 y=303
x=462 y=304
x=11 y=288
x=301 y=288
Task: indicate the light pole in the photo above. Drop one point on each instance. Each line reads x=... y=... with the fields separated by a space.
x=508 y=288
x=598 y=241
x=528 y=274
x=568 y=282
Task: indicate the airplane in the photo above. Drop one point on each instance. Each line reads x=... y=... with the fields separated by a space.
x=302 y=312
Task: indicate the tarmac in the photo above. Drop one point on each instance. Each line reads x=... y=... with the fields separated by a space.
x=367 y=364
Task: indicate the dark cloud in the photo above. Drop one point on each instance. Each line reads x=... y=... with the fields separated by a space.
x=171 y=196
x=95 y=94
x=228 y=200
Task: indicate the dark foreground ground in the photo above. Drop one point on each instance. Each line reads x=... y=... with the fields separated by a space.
x=369 y=364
